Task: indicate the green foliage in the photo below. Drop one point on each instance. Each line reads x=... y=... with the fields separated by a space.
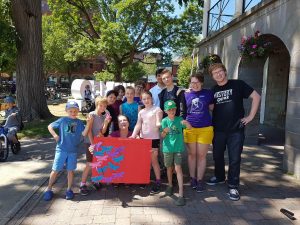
x=184 y=71
x=210 y=59
x=7 y=39
x=104 y=76
x=120 y=29
x=186 y=2
x=133 y=72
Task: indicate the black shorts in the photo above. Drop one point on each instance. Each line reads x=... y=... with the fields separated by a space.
x=155 y=143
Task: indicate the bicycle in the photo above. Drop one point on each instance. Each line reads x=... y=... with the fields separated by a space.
x=5 y=144
x=89 y=106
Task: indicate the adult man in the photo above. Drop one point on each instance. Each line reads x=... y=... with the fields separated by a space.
x=229 y=121
x=172 y=92
x=155 y=91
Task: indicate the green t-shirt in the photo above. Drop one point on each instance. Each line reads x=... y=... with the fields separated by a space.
x=173 y=141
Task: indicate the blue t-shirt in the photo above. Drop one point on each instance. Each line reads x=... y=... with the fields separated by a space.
x=70 y=134
x=130 y=110
x=198 y=108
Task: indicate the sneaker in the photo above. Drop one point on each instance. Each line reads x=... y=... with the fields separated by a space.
x=84 y=190
x=155 y=188
x=169 y=191
x=214 y=181
x=193 y=182
x=180 y=201
x=234 y=194
x=142 y=186
x=69 y=194
x=97 y=186
x=48 y=195
x=200 y=186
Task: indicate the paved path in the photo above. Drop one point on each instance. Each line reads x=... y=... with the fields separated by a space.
x=264 y=191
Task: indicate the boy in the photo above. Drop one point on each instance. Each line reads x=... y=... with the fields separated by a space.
x=130 y=108
x=13 y=120
x=70 y=131
x=173 y=147
x=100 y=121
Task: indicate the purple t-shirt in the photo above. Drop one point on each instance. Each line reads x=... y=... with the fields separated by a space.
x=117 y=134
x=198 y=107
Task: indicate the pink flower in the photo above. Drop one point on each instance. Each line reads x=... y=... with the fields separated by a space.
x=254 y=46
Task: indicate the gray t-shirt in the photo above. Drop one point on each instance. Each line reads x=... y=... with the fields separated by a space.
x=12 y=121
x=97 y=124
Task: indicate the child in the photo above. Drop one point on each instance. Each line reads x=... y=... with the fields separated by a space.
x=70 y=131
x=148 y=123
x=13 y=120
x=173 y=147
x=130 y=108
x=100 y=120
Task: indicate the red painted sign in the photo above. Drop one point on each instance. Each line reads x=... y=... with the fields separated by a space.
x=121 y=160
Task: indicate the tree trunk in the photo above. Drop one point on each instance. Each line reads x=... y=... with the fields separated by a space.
x=27 y=17
x=118 y=72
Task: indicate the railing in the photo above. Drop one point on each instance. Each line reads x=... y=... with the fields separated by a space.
x=248 y=4
x=221 y=13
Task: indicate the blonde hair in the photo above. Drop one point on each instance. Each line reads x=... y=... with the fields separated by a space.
x=130 y=88
x=215 y=66
x=165 y=71
x=100 y=100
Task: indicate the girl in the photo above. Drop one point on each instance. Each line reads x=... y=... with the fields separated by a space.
x=148 y=124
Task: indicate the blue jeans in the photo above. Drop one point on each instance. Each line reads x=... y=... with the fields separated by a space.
x=234 y=142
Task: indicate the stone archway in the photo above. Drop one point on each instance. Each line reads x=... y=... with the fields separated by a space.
x=269 y=77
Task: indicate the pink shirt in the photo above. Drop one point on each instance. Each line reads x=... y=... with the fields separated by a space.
x=148 y=119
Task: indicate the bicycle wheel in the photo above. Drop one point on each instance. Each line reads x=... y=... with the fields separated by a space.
x=15 y=147
x=84 y=110
x=3 y=150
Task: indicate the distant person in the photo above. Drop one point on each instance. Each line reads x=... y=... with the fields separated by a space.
x=229 y=121
x=173 y=146
x=68 y=141
x=172 y=92
x=138 y=89
x=13 y=88
x=13 y=120
x=155 y=91
x=87 y=93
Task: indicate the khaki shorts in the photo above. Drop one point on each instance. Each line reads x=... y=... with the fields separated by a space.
x=202 y=135
x=171 y=158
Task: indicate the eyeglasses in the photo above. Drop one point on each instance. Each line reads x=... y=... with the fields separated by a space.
x=195 y=83
x=217 y=72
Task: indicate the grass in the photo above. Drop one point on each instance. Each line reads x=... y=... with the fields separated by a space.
x=39 y=129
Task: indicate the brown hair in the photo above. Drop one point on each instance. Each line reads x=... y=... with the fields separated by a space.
x=165 y=71
x=147 y=93
x=130 y=88
x=199 y=76
x=215 y=66
x=99 y=100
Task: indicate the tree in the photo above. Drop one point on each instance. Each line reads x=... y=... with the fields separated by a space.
x=184 y=71
x=7 y=40
x=186 y=2
x=121 y=29
x=26 y=16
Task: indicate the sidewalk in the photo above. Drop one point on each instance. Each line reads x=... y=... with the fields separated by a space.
x=264 y=191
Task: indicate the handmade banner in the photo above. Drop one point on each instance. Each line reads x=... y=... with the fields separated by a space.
x=121 y=160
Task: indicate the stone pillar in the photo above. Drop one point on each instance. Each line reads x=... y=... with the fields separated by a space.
x=206 y=8
x=238 y=8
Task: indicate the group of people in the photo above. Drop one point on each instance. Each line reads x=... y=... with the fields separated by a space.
x=169 y=115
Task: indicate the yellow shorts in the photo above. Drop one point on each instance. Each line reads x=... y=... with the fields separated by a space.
x=202 y=135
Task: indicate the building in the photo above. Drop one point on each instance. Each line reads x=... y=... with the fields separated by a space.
x=276 y=77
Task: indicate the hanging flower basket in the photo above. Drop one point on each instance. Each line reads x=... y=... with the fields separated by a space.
x=210 y=59
x=254 y=47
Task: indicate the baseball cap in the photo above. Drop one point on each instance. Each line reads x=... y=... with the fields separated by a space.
x=72 y=104
x=9 y=99
x=170 y=104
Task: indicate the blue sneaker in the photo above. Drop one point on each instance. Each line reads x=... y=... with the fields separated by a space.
x=69 y=194
x=215 y=181
x=193 y=182
x=48 y=195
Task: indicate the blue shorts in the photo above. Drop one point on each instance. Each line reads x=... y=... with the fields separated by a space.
x=64 y=157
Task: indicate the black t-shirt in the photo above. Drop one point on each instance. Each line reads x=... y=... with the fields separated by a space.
x=177 y=95
x=228 y=105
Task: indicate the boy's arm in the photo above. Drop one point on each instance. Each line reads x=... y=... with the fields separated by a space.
x=137 y=127
x=105 y=124
x=187 y=124
x=120 y=109
x=159 y=116
x=182 y=104
x=53 y=133
x=89 y=122
x=165 y=130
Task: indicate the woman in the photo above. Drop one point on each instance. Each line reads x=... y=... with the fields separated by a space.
x=198 y=139
x=123 y=131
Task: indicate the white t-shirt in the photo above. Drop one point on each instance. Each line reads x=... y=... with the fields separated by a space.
x=155 y=91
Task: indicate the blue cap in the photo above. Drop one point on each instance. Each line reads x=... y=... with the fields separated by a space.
x=9 y=99
x=72 y=104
